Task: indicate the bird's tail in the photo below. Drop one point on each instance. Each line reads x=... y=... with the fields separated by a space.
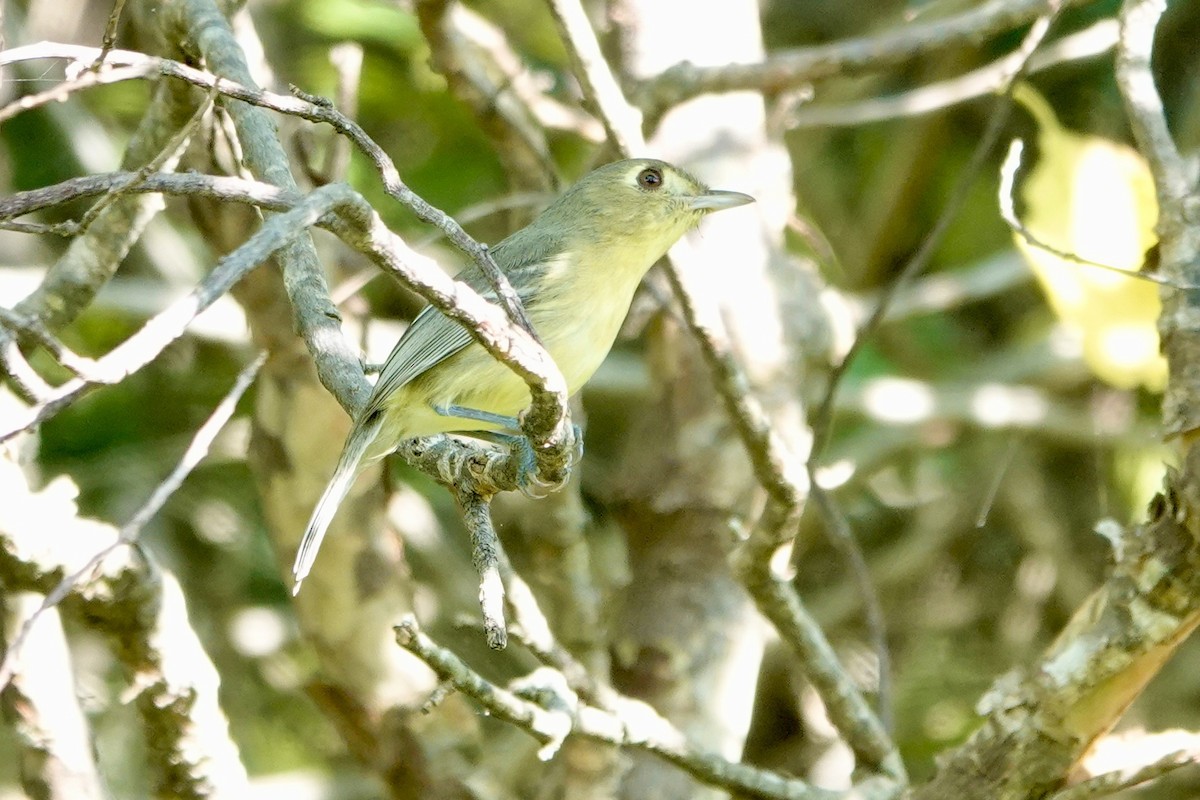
x=360 y=438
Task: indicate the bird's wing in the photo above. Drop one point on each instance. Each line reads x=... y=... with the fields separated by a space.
x=430 y=339
x=433 y=337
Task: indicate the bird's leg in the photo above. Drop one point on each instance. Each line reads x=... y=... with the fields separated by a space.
x=509 y=435
x=509 y=424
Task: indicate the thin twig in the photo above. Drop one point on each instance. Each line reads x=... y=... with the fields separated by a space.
x=37 y=332
x=171 y=323
x=214 y=187
x=472 y=213
x=85 y=80
x=144 y=66
x=622 y=121
x=631 y=724
x=484 y=73
x=843 y=539
x=67 y=230
x=823 y=422
x=790 y=69
x=169 y=153
x=110 y=33
x=485 y=469
x=1095 y=40
x=25 y=379
x=1008 y=171
x=787 y=485
x=1109 y=783
x=485 y=555
x=346 y=59
x=546 y=425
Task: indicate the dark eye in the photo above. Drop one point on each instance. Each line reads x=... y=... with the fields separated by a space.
x=650 y=178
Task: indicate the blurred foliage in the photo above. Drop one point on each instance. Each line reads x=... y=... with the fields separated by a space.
x=979 y=538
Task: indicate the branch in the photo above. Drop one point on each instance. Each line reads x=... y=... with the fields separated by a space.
x=560 y=713
x=622 y=122
x=213 y=187
x=823 y=423
x=1109 y=783
x=1008 y=212
x=168 y=325
x=775 y=468
x=92 y=258
x=201 y=26
x=1039 y=721
x=486 y=554
x=1178 y=231
x=306 y=287
x=347 y=214
x=1095 y=40
x=1139 y=20
x=791 y=69
x=484 y=73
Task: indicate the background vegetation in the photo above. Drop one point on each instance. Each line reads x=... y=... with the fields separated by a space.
x=989 y=477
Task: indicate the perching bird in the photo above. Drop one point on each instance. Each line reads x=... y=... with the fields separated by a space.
x=576 y=268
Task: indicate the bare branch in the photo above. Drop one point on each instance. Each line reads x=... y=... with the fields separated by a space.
x=622 y=121
x=485 y=555
x=1044 y=717
x=777 y=470
x=790 y=69
x=215 y=187
x=110 y=32
x=484 y=73
x=1109 y=783
x=92 y=258
x=631 y=724
x=168 y=325
x=1008 y=212
x=1139 y=20
x=488 y=471
x=25 y=379
x=1178 y=211
x=200 y=24
x=1095 y=40
x=822 y=424
x=307 y=290
x=85 y=80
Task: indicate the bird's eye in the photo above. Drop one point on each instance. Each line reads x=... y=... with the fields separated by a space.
x=650 y=178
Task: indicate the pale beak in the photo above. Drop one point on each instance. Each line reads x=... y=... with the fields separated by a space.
x=717 y=199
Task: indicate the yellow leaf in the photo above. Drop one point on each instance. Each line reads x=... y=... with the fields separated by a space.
x=1094 y=198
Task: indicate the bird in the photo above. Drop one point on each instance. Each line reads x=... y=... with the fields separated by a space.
x=575 y=267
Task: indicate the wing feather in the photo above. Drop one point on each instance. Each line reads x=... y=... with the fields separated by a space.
x=433 y=337
x=430 y=339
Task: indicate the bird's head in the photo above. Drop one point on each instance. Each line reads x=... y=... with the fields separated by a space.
x=642 y=203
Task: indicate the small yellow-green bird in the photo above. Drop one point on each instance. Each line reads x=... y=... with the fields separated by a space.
x=575 y=268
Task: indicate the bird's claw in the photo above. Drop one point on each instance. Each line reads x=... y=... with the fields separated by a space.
x=529 y=482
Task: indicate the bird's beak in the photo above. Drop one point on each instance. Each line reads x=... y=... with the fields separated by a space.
x=717 y=199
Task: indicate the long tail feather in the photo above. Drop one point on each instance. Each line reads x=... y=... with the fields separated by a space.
x=348 y=466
